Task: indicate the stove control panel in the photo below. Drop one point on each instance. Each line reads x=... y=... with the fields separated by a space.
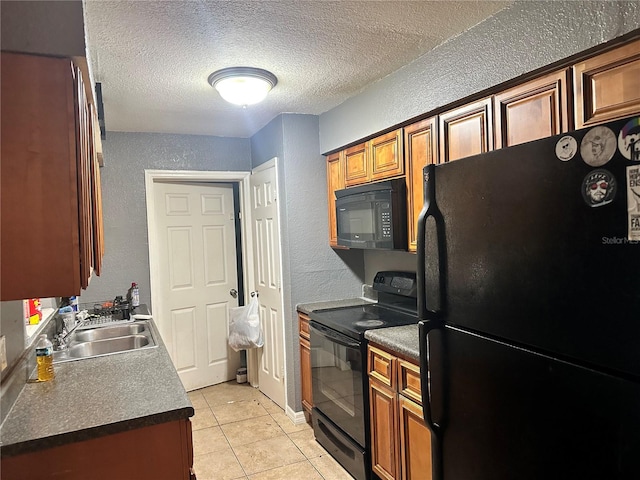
x=397 y=282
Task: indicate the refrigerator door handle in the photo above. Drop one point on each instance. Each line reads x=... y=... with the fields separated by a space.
x=424 y=327
x=430 y=306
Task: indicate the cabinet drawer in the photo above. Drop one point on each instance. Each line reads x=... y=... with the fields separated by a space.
x=409 y=380
x=303 y=324
x=381 y=366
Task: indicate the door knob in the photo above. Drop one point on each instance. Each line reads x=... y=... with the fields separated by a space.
x=233 y=292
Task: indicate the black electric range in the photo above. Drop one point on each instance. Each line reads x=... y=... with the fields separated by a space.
x=338 y=363
x=396 y=306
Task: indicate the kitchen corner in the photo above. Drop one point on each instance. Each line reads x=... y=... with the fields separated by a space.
x=94 y=411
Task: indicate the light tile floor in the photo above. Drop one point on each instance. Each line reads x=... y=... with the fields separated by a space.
x=239 y=433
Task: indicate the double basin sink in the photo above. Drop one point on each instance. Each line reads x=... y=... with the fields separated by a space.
x=107 y=340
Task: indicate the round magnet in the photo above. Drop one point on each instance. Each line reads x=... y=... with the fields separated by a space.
x=599 y=188
x=566 y=148
x=598 y=146
x=629 y=140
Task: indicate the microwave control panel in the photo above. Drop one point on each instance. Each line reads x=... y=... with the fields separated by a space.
x=385 y=216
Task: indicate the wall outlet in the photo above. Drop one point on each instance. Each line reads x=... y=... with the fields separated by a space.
x=3 y=353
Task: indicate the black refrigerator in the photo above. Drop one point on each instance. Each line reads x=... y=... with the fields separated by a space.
x=529 y=300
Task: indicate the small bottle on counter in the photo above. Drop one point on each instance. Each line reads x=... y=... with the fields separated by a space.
x=44 y=358
x=134 y=295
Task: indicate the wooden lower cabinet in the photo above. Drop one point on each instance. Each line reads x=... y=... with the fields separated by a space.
x=305 y=365
x=384 y=441
x=400 y=440
x=158 y=452
x=415 y=441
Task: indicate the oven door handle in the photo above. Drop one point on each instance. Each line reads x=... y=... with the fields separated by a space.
x=333 y=336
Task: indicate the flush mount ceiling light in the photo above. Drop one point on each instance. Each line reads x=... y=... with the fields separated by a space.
x=243 y=85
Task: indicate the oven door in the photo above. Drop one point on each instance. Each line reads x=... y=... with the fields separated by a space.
x=337 y=379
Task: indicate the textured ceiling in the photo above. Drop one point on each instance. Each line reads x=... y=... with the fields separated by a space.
x=153 y=57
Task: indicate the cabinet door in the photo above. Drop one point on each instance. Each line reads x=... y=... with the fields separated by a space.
x=421 y=148
x=96 y=195
x=415 y=442
x=85 y=191
x=335 y=181
x=386 y=156
x=39 y=241
x=305 y=374
x=356 y=165
x=166 y=447
x=384 y=443
x=533 y=110
x=466 y=131
x=409 y=380
x=607 y=86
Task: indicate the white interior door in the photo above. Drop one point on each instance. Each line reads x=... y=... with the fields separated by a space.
x=197 y=271
x=266 y=241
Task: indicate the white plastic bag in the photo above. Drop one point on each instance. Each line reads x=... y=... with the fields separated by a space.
x=244 y=326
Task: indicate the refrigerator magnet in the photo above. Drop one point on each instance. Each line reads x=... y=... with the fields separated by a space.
x=598 y=146
x=633 y=201
x=599 y=188
x=566 y=148
x=629 y=140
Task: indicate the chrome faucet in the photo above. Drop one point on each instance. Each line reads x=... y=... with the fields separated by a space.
x=61 y=338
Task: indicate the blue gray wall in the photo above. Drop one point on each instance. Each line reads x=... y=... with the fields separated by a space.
x=521 y=38
x=312 y=271
x=126 y=157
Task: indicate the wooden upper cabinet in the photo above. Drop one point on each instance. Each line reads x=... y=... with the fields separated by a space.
x=533 y=110
x=374 y=160
x=607 y=86
x=386 y=156
x=335 y=181
x=421 y=148
x=466 y=131
x=49 y=183
x=356 y=162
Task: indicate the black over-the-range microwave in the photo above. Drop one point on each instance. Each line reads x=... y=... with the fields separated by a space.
x=373 y=215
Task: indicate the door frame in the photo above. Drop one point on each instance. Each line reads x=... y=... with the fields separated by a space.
x=252 y=356
x=242 y=178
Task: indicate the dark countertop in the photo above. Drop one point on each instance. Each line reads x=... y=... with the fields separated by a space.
x=402 y=340
x=347 y=302
x=93 y=397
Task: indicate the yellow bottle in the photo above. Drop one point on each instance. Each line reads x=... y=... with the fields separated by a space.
x=44 y=358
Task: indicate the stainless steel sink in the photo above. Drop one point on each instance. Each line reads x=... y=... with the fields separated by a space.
x=107 y=332
x=108 y=340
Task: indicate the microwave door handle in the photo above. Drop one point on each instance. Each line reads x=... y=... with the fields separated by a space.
x=430 y=307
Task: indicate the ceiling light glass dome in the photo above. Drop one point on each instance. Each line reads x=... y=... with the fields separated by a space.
x=243 y=85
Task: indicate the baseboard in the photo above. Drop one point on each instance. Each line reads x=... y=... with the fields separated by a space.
x=296 y=417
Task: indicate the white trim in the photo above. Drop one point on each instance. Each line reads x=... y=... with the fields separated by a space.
x=187 y=176
x=297 y=418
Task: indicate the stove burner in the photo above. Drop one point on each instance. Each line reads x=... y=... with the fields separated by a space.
x=369 y=323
